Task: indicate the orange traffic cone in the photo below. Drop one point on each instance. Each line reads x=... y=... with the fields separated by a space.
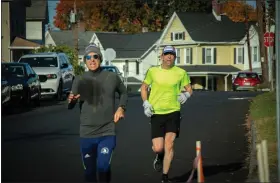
x=200 y=175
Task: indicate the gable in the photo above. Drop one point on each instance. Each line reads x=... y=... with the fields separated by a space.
x=175 y=27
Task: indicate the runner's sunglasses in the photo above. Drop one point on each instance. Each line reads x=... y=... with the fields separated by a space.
x=88 y=57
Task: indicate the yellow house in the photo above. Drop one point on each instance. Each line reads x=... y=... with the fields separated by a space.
x=208 y=47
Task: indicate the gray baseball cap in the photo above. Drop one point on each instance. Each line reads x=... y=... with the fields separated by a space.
x=93 y=48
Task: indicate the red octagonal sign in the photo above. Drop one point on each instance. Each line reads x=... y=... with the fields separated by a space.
x=269 y=39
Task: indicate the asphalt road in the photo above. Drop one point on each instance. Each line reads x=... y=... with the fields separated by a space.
x=42 y=144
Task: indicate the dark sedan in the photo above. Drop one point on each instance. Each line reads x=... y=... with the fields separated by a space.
x=23 y=81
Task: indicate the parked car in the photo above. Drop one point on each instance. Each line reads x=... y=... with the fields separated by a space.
x=246 y=81
x=113 y=69
x=55 y=72
x=5 y=91
x=23 y=81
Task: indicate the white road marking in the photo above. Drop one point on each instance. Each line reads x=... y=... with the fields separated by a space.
x=240 y=98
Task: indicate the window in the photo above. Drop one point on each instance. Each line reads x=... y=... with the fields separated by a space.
x=177 y=61
x=209 y=55
x=255 y=54
x=208 y=58
x=188 y=55
x=177 y=36
x=239 y=55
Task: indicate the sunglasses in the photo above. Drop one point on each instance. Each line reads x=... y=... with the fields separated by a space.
x=88 y=57
x=169 y=53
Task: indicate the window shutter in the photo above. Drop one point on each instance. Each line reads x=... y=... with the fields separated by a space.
x=215 y=55
x=191 y=57
x=183 y=35
x=234 y=61
x=171 y=36
x=203 y=55
x=243 y=55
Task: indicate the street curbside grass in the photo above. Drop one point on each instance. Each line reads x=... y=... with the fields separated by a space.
x=261 y=125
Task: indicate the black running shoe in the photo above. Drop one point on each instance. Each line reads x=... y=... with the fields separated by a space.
x=158 y=163
x=165 y=181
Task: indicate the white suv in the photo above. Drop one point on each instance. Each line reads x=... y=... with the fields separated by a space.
x=55 y=72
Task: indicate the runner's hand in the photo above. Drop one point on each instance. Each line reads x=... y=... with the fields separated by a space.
x=183 y=97
x=118 y=115
x=148 y=109
x=72 y=97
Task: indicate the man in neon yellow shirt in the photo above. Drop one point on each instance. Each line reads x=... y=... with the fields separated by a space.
x=163 y=106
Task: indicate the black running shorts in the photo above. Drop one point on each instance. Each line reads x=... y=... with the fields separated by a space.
x=163 y=123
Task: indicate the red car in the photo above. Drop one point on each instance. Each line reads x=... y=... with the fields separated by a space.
x=246 y=81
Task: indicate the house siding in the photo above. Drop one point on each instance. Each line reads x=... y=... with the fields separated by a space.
x=254 y=42
x=5 y=31
x=176 y=26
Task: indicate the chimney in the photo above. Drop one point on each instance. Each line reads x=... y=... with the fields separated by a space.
x=145 y=29
x=217 y=9
x=82 y=26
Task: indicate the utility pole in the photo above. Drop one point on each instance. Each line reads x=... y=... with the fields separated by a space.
x=248 y=39
x=74 y=27
x=125 y=70
x=277 y=33
x=261 y=26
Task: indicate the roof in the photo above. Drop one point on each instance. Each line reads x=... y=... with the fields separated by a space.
x=128 y=45
x=37 y=10
x=66 y=37
x=21 y=42
x=204 y=27
x=210 y=68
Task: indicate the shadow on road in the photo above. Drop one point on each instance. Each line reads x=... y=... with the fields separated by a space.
x=210 y=171
x=18 y=109
x=42 y=135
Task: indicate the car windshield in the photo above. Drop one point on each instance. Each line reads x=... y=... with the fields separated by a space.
x=12 y=71
x=40 y=61
x=110 y=69
x=247 y=75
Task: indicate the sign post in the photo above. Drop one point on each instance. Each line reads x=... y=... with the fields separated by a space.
x=277 y=22
x=269 y=43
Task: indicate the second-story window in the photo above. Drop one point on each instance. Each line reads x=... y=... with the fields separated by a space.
x=177 y=36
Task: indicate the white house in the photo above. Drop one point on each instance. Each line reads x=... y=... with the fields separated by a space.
x=138 y=51
x=66 y=37
x=255 y=50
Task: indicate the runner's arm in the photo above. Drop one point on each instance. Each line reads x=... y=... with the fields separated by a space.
x=121 y=89
x=74 y=94
x=186 y=83
x=145 y=85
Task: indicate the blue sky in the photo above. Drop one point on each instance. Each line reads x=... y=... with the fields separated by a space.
x=52 y=5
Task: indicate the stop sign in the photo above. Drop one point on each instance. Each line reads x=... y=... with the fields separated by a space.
x=268 y=39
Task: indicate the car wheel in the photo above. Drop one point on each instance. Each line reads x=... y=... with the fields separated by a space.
x=59 y=94
x=27 y=99
x=37 y=100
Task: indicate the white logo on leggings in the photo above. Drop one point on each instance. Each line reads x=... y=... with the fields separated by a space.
x=104 y=150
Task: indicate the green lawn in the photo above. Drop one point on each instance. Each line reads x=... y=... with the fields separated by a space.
x=263 y=113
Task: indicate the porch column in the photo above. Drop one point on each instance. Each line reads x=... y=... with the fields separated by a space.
x=11 y=55
x=206 y=82
x=226 y=83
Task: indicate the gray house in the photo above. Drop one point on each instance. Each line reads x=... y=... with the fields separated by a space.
x=35 y=22
x=13 y=13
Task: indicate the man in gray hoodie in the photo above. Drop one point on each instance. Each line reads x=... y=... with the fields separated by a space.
x=96 y=90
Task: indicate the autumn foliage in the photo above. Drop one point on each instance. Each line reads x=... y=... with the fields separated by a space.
x=122 y=15
x=237 y=11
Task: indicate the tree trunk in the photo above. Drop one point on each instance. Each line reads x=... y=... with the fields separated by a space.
x=263 y=55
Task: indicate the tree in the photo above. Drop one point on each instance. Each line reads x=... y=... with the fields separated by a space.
x=239 y=11
x=71 y=53
x=124 y=15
